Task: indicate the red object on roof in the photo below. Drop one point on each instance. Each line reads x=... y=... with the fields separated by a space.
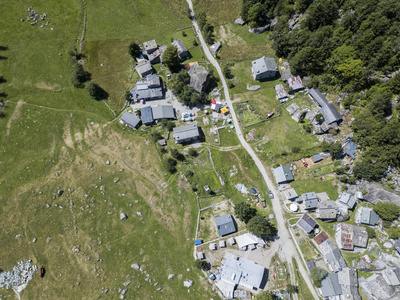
x=213 y=101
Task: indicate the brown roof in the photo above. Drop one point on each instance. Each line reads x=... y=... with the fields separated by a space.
x=321 y=237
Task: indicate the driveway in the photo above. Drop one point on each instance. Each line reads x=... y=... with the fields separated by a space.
x=284 y=236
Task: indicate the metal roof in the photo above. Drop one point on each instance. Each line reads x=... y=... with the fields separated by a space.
x=283 y=174
x=328 y=109
x=349 y=148
x=185 y=132
x=368 y=216
x=147 y=115
x=225 y=224
x=163 y=112
x=243 y=272
x=247 y=239
x=330 y=285
x=295 y=83
x=348 y=200
x=280 y=91
x=130 y=119
x=317 y=157
x=264 y=64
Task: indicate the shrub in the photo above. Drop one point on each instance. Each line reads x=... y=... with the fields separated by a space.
x=193 y=152
x=394 y=232
x=201 y=264
x=261 y=227
x=387 y=211
x=317 y=274
x=386 y=224
x=371 y=232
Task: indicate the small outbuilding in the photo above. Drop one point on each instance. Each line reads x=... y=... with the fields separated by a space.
x=163 y=112
x=144 y=68
x=130 y=120
x=201 y=255
x=183 y=52
x=225 y=224
x=295 y=83
x=222 y=244
x=307 y=223
x=317 y=158
x=347 y=200
x=366 y=216
x=212 y=246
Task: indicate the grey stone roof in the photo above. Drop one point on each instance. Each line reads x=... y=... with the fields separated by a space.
x=131 y=120
x=186 y=132
x=153 y=80
x=309 y=196
x=147 y=115
x=330 y=286
x=317 y=157
x=396 y=245
x=264 y=64
x=329 y=110
x=198 y=77
x=142 y=91
x=327 y=210
x=283 y=174
x=311 y=265
x=225 y=224
x=181 y=47
x=163 y=112
x=377 y=287
x=143 y=68
x=311 y=204
x=150 y=46
x=348 y=200
x=307 y=223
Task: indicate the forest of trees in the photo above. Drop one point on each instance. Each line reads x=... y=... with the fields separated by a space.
x=345 y=46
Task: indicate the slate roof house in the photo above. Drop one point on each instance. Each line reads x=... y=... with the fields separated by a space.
x=332 y=255
x=283 y=174
x=348 y=281
x=349 y=236
x=148 y=89
x=330 y=286
x=163 y=112
x=367 y=216
x=150 y=46
x=348 y=200
x=198 y=78
x=186 y=133
x=147 y=115
x=264 y=67
x=144 y=68
x=225 y=224
x=327 y=211
x=328 y=109
x=392 y=276
x=375 y=287
x=290 y=194
x=130 y=120
x=310 y=200
x=307 y=223
x=183 y=52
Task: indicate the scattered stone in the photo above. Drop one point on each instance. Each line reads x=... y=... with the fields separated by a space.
x=116 y=180
x=48 y=205
x=106 y=291
x=48 y=239
x=135 y=266
x=77 y=250
x=123 y=216
x=388 y=245
x=171 y=276
x=22 y=20
x=159 y=289
x=139 y=214
x=253 y=87
x=107 y=162
x=126 y=283
x=60 y=192
x=34 y=240
x=240 y=21
x=258 y=30
x=188 y=283
x=124 y=291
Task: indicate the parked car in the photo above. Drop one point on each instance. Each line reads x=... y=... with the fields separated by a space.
x=270 y=115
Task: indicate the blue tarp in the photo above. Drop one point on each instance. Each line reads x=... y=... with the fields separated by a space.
x=198 y=242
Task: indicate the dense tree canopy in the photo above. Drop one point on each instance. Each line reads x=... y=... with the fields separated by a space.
x=244 y=211
x=260 y=226
x=179 y=84
x=134 y=50
x=171 y=58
